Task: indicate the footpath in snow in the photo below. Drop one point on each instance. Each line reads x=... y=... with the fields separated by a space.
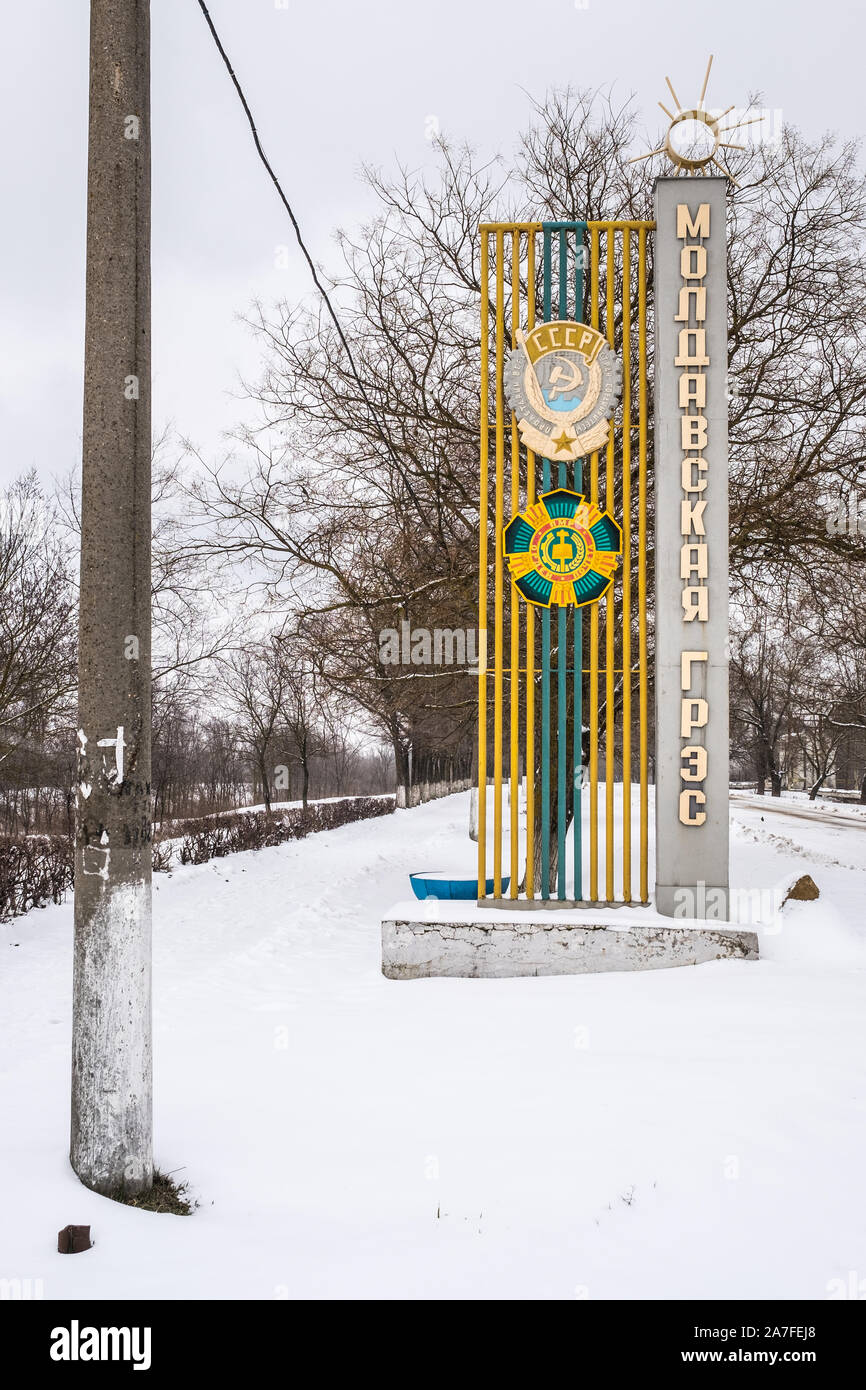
x=680 y=1133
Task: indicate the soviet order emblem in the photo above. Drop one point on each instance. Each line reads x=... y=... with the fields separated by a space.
x=562 y=549
x=563 y=382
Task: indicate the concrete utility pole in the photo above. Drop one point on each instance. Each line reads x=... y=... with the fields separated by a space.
x=112 y=1148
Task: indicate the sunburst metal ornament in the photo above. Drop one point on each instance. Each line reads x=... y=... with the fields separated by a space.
x=705 y=130
x=562 y=549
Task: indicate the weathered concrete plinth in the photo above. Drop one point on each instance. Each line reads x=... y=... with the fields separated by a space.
x=422 y=940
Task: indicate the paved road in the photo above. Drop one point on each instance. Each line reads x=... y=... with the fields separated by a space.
x=781 y=808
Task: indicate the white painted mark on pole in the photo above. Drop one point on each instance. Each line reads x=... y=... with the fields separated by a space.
x=95 y=861
x=115 y=776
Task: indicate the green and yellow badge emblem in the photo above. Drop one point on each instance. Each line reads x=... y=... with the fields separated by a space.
x=562 y=550
x=563 y=383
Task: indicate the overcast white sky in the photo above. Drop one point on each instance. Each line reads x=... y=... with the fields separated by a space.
x=331 y=82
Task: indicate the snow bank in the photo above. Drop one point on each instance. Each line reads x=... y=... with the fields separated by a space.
x=684 y=1133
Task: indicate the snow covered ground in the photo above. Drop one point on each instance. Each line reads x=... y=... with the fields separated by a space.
x=680 y=1133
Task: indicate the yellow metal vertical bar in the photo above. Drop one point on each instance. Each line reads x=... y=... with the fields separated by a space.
x=593 y=623
x=497 y=573
x=641 y=563
x=514 y=605
x=530 y=616
x=482 y=571
x=609 y=722
x=626 y=565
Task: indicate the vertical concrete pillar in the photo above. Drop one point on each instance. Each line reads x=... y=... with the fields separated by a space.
x=691 y=547
x=111 y=1148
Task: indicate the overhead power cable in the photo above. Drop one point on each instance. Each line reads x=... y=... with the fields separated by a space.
x=294 y=221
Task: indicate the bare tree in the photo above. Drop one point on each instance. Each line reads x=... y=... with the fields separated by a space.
x=256 y=684
x=359 y=509
x=764 y=683
x=301 y=709
x=37 y=616
x=819 y=738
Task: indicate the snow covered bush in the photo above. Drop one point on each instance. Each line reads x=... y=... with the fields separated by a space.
x=211 y=839
x=38 y=869
x=34 y=871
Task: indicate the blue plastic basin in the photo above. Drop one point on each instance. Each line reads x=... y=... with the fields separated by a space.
x=438 y=884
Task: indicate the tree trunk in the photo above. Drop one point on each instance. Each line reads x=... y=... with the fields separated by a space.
x=473 y=794
x=266 y=786
x=551 y=831
x=401 y=769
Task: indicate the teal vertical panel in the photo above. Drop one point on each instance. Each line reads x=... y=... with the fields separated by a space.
x=576 y=769
x=565 y=766
x=545 y=640
x=562 y=637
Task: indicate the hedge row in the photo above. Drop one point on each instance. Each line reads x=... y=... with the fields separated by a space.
x=34 y=872
x=212 y=838
x=38 y=870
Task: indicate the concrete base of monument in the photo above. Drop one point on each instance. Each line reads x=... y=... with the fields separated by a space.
x=421 y=940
